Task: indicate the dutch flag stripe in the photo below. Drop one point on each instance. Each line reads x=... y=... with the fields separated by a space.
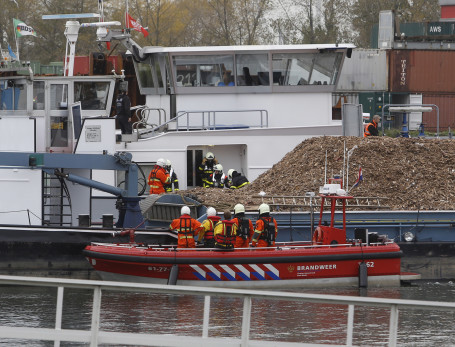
x=214 y=273
x=229 y=273
x=273 y=270
x=199 y=271
x=244 y=273
x=257 y=269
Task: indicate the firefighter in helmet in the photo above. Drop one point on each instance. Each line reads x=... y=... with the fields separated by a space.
x=266 y=229
x=206 y=169
x=206 y=235
x=187 y=228
x=218 y=177
x=236 y=179
x=244 y=227
x=174 y=182
x=225 y=232
x=158 y=177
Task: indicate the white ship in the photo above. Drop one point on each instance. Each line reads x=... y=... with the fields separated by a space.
x=249 y=105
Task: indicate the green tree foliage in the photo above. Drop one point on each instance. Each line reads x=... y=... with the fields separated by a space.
x=207 y=22
x=312 y=21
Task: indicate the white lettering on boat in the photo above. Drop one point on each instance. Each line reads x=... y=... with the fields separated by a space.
x=316 y=267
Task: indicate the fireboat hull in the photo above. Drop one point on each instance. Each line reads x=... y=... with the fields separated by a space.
x=283 y=266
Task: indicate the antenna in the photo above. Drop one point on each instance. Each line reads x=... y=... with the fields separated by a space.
x=72 y=32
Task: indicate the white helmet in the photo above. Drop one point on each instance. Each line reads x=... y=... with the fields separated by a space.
x=239 y=208
x=264 y=208
x=211 y=212
x=161 y=162
x=185 y=210
x=218 y=167
x=209 y=156
x=230 y=173
x=168 y=163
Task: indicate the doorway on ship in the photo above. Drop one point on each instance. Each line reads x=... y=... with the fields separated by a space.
x=229 y=156
x=57 y=123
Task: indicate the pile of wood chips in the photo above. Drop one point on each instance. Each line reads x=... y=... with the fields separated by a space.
x=409 y=173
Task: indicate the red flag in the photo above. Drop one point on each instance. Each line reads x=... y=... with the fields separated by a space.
x=133 y=24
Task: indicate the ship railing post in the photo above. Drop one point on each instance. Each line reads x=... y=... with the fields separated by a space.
x=205 y=324
x=393 y=328
x=246 y=321
x=350 y=327
x=95 y=316
x=58 y=313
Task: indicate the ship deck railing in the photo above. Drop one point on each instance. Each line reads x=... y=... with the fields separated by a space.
x=98 y=335
x=197 y=120
x=306 y=202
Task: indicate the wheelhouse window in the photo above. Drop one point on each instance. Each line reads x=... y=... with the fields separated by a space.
x=144 y=75
x=252 y=69
x=13 y=95
x=92 y=95
x=59 y=97
x=204 y=70
x=306 y=68
x=38 y=95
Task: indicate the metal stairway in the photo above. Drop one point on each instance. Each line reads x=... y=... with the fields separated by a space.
x=56 y=202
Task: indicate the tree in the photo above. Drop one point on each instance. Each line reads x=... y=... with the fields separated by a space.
x=311 y=21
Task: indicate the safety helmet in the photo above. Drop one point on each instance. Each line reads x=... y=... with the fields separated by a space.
x=230 y=173
x=263 y=208
x=161 y=162
x=239 y=208
x=218 y=167
x=211 y=212
x=168 y=163
x=209 y=156
x=185 y=210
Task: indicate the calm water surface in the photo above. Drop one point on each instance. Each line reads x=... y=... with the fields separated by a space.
x=271 y=320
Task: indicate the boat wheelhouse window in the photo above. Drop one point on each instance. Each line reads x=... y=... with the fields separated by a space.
x=59 y=97
x=38 y=95
x=144 y=74
x=204 y=70
x=13 y=96
x=92 y=95
x=252 y=69
x=326 y=67
x=306 y=68
x=292 y=69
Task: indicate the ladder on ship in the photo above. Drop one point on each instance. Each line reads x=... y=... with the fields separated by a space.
x=56 y=202
x=305 y=202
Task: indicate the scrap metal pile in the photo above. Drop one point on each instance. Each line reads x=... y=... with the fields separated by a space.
x=409 y=173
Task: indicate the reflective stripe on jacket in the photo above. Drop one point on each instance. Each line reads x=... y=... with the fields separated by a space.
x=158 y=178
x=225 y=232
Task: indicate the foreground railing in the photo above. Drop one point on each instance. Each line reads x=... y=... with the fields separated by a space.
x=95 y=336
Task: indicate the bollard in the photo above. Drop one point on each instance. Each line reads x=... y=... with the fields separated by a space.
x=84 y=220
x=108 y=221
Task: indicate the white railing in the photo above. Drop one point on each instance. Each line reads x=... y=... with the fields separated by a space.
x=95 y=336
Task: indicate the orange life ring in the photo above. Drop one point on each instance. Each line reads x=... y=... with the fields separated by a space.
x=318 y=235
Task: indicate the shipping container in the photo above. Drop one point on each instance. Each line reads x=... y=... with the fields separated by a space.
x=366 y=70
x=446 y=105
x=373 y=102
x=81 y=66
x=422 y=71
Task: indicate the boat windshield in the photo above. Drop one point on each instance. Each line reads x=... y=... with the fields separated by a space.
x=13 y=95
x=92 y=95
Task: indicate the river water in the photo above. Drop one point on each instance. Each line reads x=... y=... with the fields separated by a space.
x=271 y=320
